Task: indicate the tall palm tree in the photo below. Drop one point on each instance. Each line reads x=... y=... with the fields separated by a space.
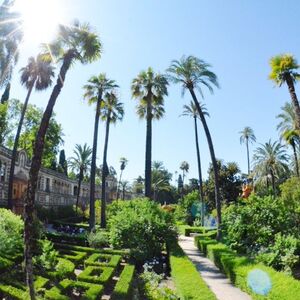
x=73 y=43
x=123 y=165
x=287 y=129
x=37 y=74
x=80 y=163
x=284 y=70
x=125 y=186
x=270 y=160
x=149 y=89
x=193 y=73
x=247 y=135
x=191 y=111
x=11 y=36
x=95 y=89
x=184 y=167
x=112 y=111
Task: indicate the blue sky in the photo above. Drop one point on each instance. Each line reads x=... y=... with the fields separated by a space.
x=237 y=37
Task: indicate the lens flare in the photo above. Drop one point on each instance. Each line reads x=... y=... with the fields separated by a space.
x=259 y=281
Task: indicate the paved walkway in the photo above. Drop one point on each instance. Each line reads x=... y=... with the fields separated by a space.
x=216 y=281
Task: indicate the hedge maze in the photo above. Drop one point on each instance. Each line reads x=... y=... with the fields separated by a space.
x=82 y=273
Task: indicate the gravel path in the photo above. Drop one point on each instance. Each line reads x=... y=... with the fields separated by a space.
x=216 y=281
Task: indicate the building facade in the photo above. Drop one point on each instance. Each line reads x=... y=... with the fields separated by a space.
x=54 y=189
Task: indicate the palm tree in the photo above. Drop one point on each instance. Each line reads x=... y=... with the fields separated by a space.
x=123 y=162
x=287 y=129
x=80 y=163
x=96 y=87
x=284 y=70
x=184 y=167
x=125 y=185
x=270 y=160
x=73 y=43
x=149 y=89
x=11 y=36
x=37 y=74
x=191 y=111
x=192 y=73
x=247 y=135
x=112 y=111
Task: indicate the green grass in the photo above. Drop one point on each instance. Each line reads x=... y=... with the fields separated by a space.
x=122 y=290
x=188 y=281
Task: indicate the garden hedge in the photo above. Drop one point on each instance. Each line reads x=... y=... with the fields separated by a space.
x=73 y=239
x=73 y=255
x=123 y=288
x=64 y=268
x=188 y=281
x=97 y=274
x=105 y=260
x=238 y=267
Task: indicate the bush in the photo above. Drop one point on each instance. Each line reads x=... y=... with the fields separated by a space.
x=122 y=290
x=237 y=268
x=11 y=233
x=143 y=227
x=49 y=256
x=99 y=259
x=96 y=274
x=188 y=281
x=64 y=268
x=98 y=239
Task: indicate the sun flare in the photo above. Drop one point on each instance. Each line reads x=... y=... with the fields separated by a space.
x=40 y=19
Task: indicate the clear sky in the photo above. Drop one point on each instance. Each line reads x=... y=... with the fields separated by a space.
x=237 y=37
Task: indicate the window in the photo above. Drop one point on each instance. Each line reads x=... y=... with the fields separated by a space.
x=2 y=171
x=75 y=190
x=47 y=185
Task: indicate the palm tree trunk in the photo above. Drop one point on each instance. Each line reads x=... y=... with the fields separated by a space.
x=34 y=171
x=273 y=183
x=93 y=164
x=118 y=187
x=214 y=163
x=104 y=175
x=296 y=159
x=199 y=172
x=248 y=159
x=79 y=187
x=294 y=99
x=15 y=149
x=123 y=193
x=148 y=149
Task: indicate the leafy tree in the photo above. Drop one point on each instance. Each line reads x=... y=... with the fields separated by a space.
x=111 y=112
x=184 y=167
x=149 y=89
x=73 y=43
x=230 y=183
x=284 y=70
x=125 y=188
x=192 y=73
x=247 y=135
x=123 y=162
x=36 y=75
x=95 y=89
x=191 y=111
x=138 y=186
x=270 y=160
x=80 y=163
x=63 y=165
x=3 y=122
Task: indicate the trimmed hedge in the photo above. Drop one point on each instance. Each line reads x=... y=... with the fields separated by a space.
x=188 y=281
x=64 y=268
x=72 y=255
x=123 y=288
x=94 y=274
x=238 y=267
x=13 y=293
x=73 y=239
x=108 y=260
x=92 y=291
x=5 y=263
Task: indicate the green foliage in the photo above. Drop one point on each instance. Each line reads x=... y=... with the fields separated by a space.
x=183 y=211
x=3 y=122
x=30 y=127
x=290 y=193
x=237 y=269
x=49 y=256
x=63 y=269
x=99 y=259
x=11 y=233
x=96 y=274
x=187 y=279
x=122 y=290
x=98 y=239
x=143 y=227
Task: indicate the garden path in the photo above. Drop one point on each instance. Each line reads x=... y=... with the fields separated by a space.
x=216 y=281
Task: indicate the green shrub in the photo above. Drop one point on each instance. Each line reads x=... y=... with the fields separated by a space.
x=5 y=263
x=11 y=233
x=89 y=291
x=64 y=268
x=95 y=274
x=62 y=237
x=98 y=239
x=188 y=281
x=143 y=227
x=192 y=229
x=99 y=259
x=13 y=292
x=237 y=269
x=49 y=256
x=122 y=290
x=75 y=256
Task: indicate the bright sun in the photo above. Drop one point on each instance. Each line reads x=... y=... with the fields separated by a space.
x=40 y=19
